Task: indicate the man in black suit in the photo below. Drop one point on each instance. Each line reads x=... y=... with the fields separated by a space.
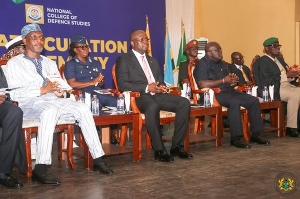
x=210 y=72
x=271 y=69
x=11 y=118
x=242 y=71
x=136 y=71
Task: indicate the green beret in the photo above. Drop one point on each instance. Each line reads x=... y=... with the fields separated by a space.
x=270 y=41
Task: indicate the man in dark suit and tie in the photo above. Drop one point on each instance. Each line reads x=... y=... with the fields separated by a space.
x=237 y=67
x=11 y=118
x=139 y=72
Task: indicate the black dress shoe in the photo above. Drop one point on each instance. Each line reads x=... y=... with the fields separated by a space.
x=102 y=168
x=240 y=144
x=292 y=132
x=258 y=140
x=163 y=156
x=11 y=182
x=180 y=152
x=45 y=178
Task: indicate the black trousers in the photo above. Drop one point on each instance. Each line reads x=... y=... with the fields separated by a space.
x=233 y=100
x=150 y=105
x=11 y=118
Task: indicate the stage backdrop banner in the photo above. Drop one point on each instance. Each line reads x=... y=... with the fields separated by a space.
x=106 y=24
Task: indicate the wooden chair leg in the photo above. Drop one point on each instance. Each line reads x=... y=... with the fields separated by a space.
x=148 y=141
x=123 y=134
x=70 y=159
x=28 y=151
x=60 y=145
x=201 y=123
x=245 y=126
x=213 y=126
x=196 y=126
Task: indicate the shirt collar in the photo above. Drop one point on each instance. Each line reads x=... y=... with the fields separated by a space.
x=274 y=59
x=78 y=61
x=40 y=59
x=137 y=54
x=238 y=66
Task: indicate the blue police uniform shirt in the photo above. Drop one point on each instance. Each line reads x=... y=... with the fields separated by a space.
x=83 y=72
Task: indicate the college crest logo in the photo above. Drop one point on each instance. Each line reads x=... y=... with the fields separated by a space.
x=286 y=183
x=34 y=13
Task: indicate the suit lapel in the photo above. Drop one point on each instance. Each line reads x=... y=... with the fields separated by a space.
x=137 y=66
x=152 y=66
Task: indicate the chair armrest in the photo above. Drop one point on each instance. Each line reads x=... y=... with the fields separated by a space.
x=75 y=93
x=133 y=104
x=243 y=88
x=175 y=91
x=216 y=90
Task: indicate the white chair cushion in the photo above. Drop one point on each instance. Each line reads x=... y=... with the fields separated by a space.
x=35 y=123
x=163 y=114
x=225 y=108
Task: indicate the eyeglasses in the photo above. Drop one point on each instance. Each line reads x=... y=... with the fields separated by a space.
x=275 y=45
x=83 y=47
x=239 y=58
x=142 y=40
x=36 y=37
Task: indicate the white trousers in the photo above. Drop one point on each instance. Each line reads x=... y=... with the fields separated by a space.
x=290 y=94
x=48 y=111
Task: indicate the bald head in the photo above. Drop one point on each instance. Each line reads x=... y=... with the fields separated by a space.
x=214 y=51
x=209 y=45
x=134 y=33
x=237 y=58
x=139 y=41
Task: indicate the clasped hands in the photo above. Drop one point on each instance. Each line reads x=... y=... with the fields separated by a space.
x=156 y=87
x=231 y=79
x=98 y=80
x=52 y=87
x=293 y=71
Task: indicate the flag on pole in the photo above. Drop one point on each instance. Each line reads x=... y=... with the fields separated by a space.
x=181 y=55
x=149 y=52
x=169 y=60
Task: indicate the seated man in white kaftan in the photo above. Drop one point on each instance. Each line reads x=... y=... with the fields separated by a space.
x=40 y=99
